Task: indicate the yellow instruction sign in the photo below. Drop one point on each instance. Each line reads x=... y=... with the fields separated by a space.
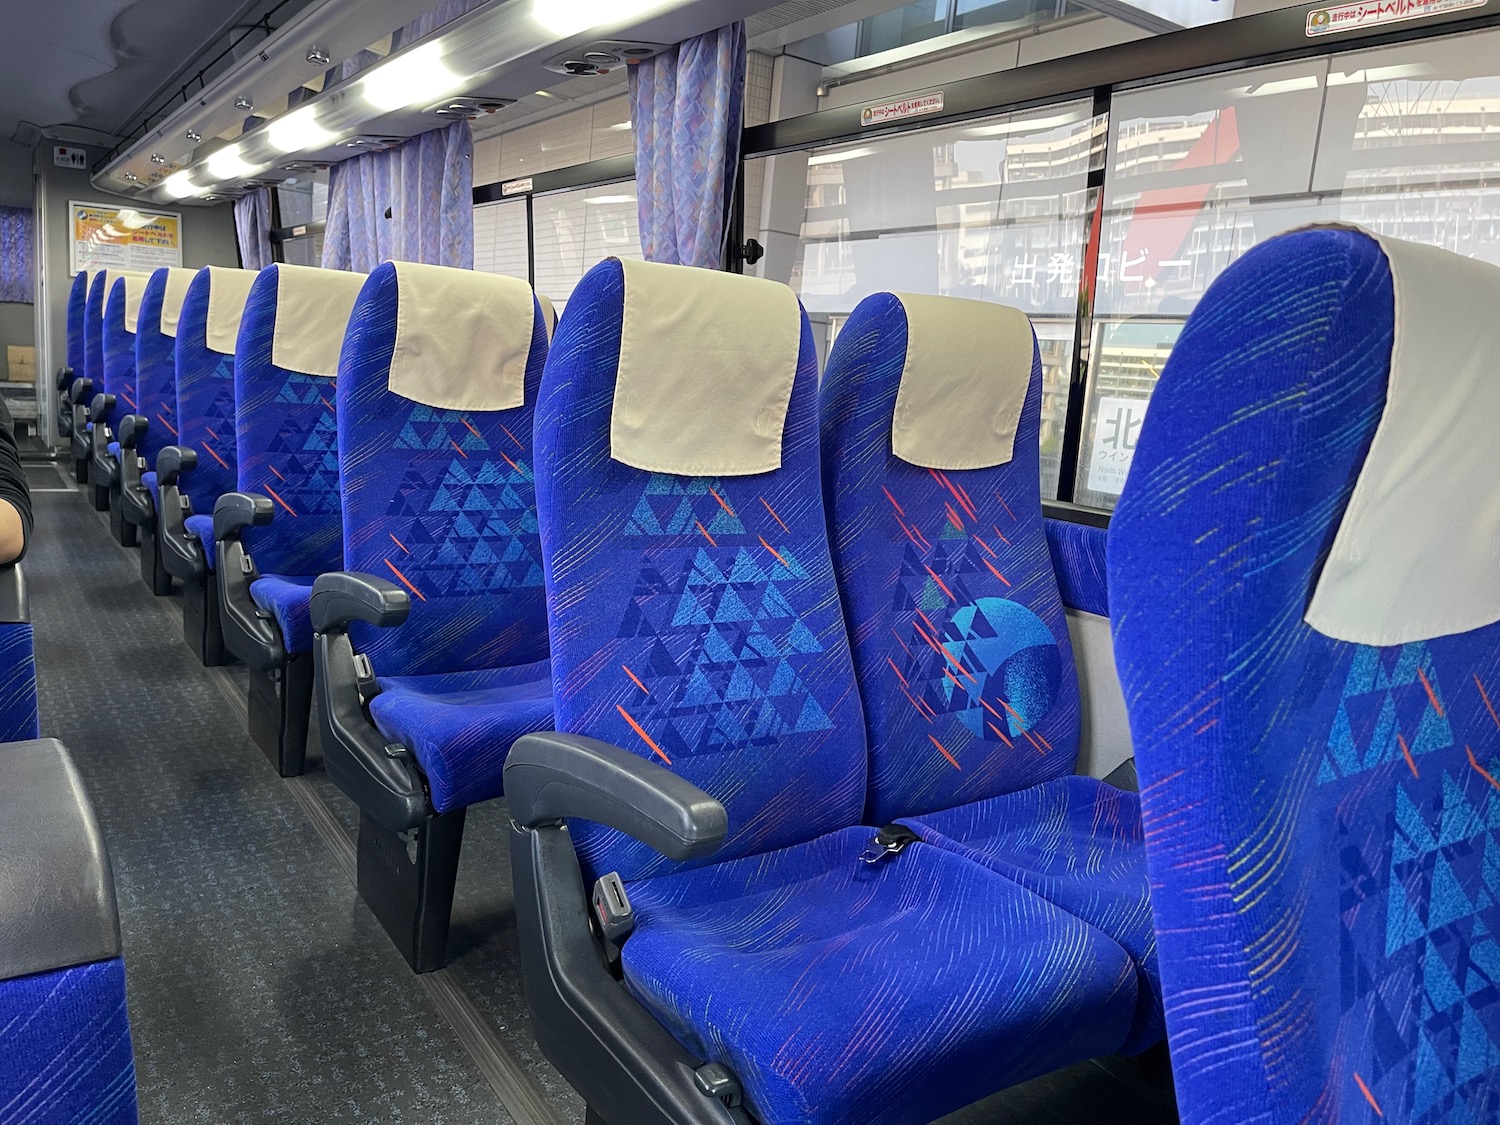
x=123 y=238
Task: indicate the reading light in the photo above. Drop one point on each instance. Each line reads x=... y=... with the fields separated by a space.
x=415 y=78
x=568 y=17
x=227 y=164
x=179 y=185
x=298 y=130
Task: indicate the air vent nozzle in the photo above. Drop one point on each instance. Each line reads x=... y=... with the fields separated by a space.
x=603 y=57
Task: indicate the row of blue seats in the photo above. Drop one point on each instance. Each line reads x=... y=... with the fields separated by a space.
x=810 y=845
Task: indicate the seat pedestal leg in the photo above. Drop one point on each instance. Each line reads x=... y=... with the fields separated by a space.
x=101 y=497
x=125 y=532
x=153 y=574
x=201 y=628
x=407 y=879
x=81 y=470
x=280 y=706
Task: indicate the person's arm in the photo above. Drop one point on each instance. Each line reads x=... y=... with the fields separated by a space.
x=15 y=512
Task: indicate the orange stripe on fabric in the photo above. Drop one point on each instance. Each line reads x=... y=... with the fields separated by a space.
x=773 y=551
x=1369 y=1097
x=775 y=517
x=1484 y=773
x=722 y=504
x=279 y=500
x=405 y=581
x=943 y=750
x=706 y=535
x=1410 y=762
x=399 y=543
x=634 y=679
x=646 y=738
x=1431 y=695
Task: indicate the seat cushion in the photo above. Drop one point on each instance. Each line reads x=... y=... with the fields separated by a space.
x=203 y=527
x=893 y=992
x=289 y=599
x=460 y=724
x=1077 y=842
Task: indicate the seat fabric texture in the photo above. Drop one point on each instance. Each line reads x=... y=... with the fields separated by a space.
x=118 y=355
x=289 y=600
x=905 y=987
x=1079 y=561
x=65 y=1051
x=205 y=409
x=93 y=332
x=460 y=725
x=963 y=654
x=18 y=705
x=1323 y=817
x=286 y=438
x=203 y=527
x=78 y=298
x=443 y=502
x=155 y=373
x=695 y=621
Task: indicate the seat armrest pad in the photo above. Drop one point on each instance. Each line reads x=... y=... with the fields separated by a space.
x=57 y=894
x=344 y=596
x=15 y=607
x=236 y=511
x=132 y=428
x=100 y=407
x=64 y=379
x=550 y=776
x=173 y=461
x=80 y=391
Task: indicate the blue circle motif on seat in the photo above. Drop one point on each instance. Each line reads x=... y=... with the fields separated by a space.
x=1010 y=663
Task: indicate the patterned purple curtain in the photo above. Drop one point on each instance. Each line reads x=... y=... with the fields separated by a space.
x=686 y=105
x=427 y=185
x=16 y=282
x=252 y=225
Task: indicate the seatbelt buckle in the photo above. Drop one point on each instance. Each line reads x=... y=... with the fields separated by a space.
x=612 y=909
x=890 y=840
x=364 y=678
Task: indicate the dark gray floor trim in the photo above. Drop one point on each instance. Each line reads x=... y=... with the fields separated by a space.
x=502 y=1071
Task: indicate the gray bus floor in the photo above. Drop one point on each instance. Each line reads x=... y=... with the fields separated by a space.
x=260 y=987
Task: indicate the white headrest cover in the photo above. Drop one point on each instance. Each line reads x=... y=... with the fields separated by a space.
x=135 y=289
x=227 y=290
x=549 y=315
x=707 y=361
x=312 y=312
x=110 y=277
x=462 y=338
x=1417 y=554
x=968 y=364
x=178 y=281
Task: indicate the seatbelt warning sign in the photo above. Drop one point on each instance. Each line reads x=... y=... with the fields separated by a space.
x=886 y=112
x=1117 y=429
x=1348 y=17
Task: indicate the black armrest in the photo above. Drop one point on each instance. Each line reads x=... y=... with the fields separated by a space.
x=101 y=407
x=236 y=511
x=64 y=379
x=81 y=391
x=57 y=894
x=550 y=776
x=132 y=428
x=173 y=461
x=344 y=596
x=15 y=608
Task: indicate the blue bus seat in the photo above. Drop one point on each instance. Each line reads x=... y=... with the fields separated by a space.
x=114 y=392
x=283 y=525
x=67 y=406
x=798 y=964
x=18 y=701
x=1078 y=560
x=65 y=1053
x=152 y=425
x=439 y=511
x=194 y=473
x=1322 y=814
x=960 y=645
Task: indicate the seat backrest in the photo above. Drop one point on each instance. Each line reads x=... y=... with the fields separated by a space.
x=18 y=700
x=122 y=306
x=436 y=465
x=960 y=643
x=78 y=299
x=93 y=331
x=286 y=431
x=156 y=359
x=693 y=614
x=1079 y=561
x=1322 y=815
x=206 y=334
